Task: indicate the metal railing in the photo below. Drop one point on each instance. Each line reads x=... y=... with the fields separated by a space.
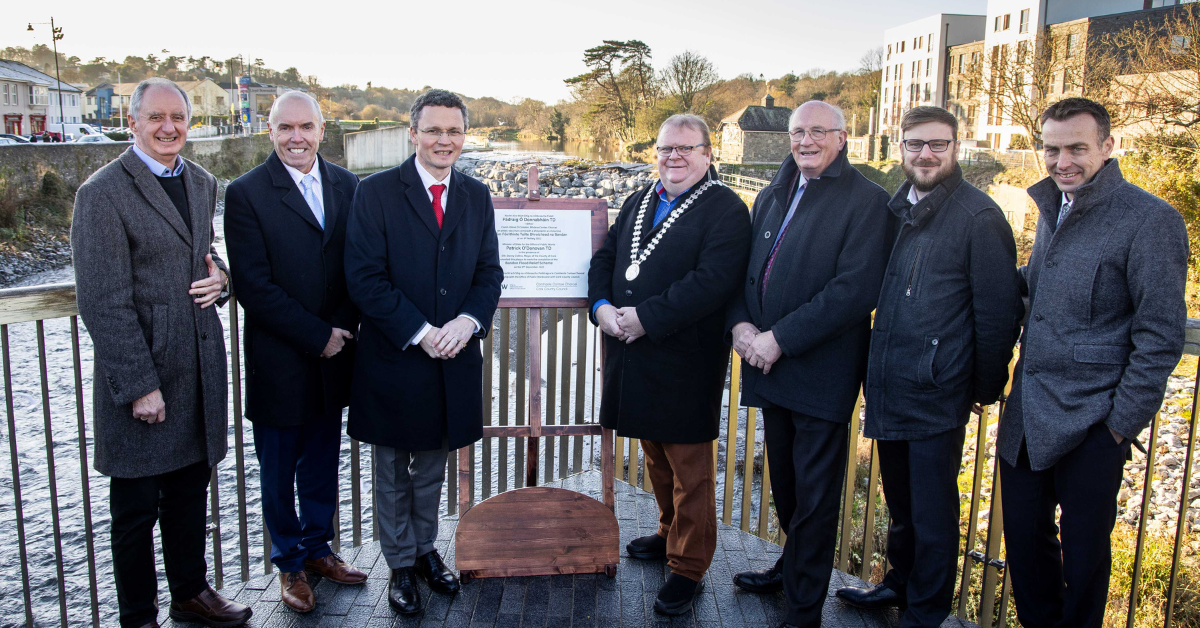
x=749 y=184
x=67 y=530
x=986 y=156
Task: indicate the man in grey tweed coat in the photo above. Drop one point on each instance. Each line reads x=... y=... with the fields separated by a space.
x=147 y=278
x=1104 y=331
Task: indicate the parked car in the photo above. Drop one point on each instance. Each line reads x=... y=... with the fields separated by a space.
x=20 y=139
x=100 y=139
x=8 y=141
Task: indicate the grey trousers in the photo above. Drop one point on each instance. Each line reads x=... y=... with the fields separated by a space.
x=408 y=490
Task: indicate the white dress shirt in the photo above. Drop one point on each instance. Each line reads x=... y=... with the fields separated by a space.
x=429 y=180
x=315 y=171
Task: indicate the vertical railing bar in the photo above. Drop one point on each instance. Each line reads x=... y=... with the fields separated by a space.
x=764 y=498
x=16 y=474
x=635 y=460
x=564 y=411
x=869 y=516
x=486 y=460
x=580 y=386
x=1183 y=504
x=534 y=336
x=214 y=500
x=239 y=454
x=731 y=422
x=356 y=492
x=748 y=470
x=521 y=395
x=551 y=322
x=987 y=596
x=85 y=483
x=337 y=514
x=848 y=490
x=596 y=340
x=973 y=518
x=619 y=455
x=645 y=473
x=1005 y=591
x=1147 y=495
x=268 y=566
x=374 y=511
x=51 y=476
x=505 y=354
x=452 y=482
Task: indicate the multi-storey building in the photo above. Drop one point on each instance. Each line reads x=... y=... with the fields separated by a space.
x=30 y=100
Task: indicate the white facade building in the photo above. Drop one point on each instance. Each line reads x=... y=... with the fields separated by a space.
x=914 y=64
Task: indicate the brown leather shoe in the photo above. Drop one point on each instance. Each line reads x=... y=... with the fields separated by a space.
x=211 y=609
x=295 y=591
x=333 y=568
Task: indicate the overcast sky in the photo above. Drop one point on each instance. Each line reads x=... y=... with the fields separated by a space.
x=508 y=50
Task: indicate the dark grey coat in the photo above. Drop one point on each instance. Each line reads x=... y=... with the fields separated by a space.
x=135 y=260
x=1106 y=317
x=948 y=315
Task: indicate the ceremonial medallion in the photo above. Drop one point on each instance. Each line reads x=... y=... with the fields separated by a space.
x=631 y=273
x=635 y=260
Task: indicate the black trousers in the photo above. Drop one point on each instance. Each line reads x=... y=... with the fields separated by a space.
x=176 y=500
x=1063 y=583
x=808 y=467
x=920 y=484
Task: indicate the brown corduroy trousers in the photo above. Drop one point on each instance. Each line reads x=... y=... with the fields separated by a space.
x=685 y=488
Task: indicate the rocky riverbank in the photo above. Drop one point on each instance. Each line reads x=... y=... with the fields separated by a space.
x=613 y=182
x=40 y=249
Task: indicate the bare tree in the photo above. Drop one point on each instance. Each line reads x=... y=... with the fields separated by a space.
x=686 y=75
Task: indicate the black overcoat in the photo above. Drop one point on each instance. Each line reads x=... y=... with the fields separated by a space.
x=288 y=276
x=823 y=286
x=667 y=385
x=403 y=271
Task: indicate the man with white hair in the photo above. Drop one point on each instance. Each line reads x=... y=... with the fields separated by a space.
x=803 y=327
x=285 y=227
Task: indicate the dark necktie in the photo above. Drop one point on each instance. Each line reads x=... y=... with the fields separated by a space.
x=436 y=190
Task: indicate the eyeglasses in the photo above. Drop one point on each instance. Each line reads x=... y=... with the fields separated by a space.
x=916 y=146
x=452 y=133
x=683 y=151
x=816 y=134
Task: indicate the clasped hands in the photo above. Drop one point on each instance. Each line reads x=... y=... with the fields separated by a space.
x=757 y=348
x=447 y=341
x=620 y=323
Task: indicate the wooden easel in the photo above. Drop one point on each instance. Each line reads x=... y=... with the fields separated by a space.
x=540 y=530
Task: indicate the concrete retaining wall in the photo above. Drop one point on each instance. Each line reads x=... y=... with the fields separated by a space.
x=372 y=151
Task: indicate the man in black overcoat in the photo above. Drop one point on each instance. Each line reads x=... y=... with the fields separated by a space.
x=285 y=228
x=423 y=267
x=658 y=289
x=803 y=326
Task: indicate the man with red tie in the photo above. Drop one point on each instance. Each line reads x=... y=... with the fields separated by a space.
x=423 y=267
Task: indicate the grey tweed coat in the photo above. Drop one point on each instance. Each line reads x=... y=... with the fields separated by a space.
x=135 y=260
x=1106 y=317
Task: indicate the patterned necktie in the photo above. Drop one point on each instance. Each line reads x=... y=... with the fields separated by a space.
x=1062 y=213
x=775 y=248
x=307 y=185
x=436 y=190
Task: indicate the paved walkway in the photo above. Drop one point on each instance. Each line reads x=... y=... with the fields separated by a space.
x=561 y=601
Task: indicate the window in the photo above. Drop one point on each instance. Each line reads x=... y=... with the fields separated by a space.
x=39 y=95
x=920 y=43
x=927 y=92
x=1067 y=80
x=5 y=93
x=1072 y=44
x=887 y=74
x=928 y=66
x=1180 y=44
x=974 y=59
x=958 y=91
x=971 y=114
x=962 y=62
x=1007 y=17
x=1024 y=20
x=1022 y=50
x=996 y=25
x=889 y=54
x=912 y=72
x=196 y=100
x=929 y=44
x=902 y=46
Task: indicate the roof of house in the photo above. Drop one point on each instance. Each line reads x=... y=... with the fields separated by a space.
x=20 y=72
x=760 y=118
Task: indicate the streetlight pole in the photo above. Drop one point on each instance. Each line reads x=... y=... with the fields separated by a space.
x=55 y=35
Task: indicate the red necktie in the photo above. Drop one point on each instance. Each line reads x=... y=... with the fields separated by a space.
x=436 y=190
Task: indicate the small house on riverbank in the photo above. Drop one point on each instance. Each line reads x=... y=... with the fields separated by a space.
x=757 y=134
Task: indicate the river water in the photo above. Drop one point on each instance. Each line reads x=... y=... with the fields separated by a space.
x=527 y=148
x=35 y=476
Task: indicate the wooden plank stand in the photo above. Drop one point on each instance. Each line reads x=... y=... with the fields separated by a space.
x=540 y=530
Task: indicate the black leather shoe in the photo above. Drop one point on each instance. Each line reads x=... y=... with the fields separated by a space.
x=676 y=595
x=761 y=580
x=878 y=596
x=403 y=595
x=440 y=578
x=651 y=547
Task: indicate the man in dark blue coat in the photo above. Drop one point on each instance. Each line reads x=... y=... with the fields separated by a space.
x=285 y=225
x=802 y=325
x=423 y=266
x=947 y=319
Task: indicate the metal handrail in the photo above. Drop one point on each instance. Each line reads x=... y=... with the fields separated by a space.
x=572 y=367
x=749 y=184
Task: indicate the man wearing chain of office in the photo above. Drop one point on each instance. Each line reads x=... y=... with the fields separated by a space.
x=658 y=289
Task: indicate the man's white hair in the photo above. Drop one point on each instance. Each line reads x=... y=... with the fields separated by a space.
x=293 y=95
x=838 y=115
x=139 y=93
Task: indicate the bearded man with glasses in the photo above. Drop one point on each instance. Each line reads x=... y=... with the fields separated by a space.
x=803 y=325
x=672 y=260
x=945 y=324
x=423 y=267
